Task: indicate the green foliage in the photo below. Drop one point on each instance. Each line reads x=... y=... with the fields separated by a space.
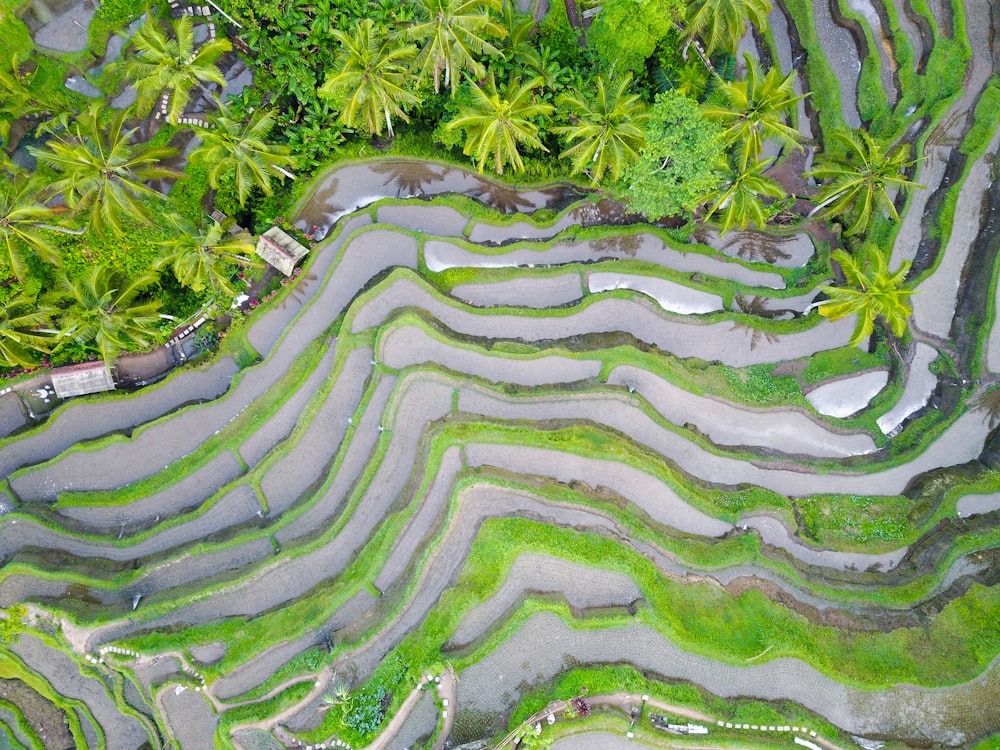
x=857 y=184
x=187 y=196
x=873 y=293
x=738 y=201
x=986 y=118
x=854 y=519
x=499 y=120
x=722 y=23
x=680 y=161
x=648 y=23
x=755 y=110
x=119 y=13
x=607 y=131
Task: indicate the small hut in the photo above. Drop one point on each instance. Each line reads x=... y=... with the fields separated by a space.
x=280 y=250
x=79 y=380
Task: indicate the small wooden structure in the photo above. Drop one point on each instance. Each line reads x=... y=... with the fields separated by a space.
x=280 y=250
x=79 y=380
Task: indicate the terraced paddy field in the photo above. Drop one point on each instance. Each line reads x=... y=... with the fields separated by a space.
x=504 y=464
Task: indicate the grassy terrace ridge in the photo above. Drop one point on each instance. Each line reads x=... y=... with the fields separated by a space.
x=432 y=460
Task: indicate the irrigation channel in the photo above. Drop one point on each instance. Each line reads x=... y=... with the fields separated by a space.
x=498 y=443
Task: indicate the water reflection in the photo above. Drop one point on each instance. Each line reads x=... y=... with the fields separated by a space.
x=355 y=186
x=410 y=177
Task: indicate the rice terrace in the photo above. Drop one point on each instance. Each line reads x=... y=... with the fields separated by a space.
x=551 y=374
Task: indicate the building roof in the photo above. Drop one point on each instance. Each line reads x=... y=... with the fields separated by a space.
x=280 y=250
x=79 y=380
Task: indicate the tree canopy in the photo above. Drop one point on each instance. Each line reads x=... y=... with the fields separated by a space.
x=680 y=162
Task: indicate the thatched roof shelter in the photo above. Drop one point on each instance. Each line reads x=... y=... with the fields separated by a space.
x=280 y=250
x=79 y=380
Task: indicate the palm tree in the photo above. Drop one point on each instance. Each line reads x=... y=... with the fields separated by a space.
x=107 y=309
x=873 y=293
x=371 y=76
x=230 y=146
x=858 y=182
x=103 y=171
x=497 y=121
x=173 y=64
x=738 y=199
x=755 y=111
x=22 y=331
x=17 y=100
x=722 y=23
x=607 y=128
x=452 y=34
x=20 y=215
x=203 y=256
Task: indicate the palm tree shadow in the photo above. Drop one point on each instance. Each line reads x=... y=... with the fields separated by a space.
x=989 y=403
x=502 y=198
x=298 y=293
x=409 y=178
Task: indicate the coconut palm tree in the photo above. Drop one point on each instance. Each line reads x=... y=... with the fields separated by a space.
x=755 y=110
x=107 y=309
x=720 y=24
x=737 y=201
x=23 y=334
x=607 y=128
x=873 y=293
x=452 y=34
x=172 y=64
x=230 y=146
x=203 y=256
x=498 y=121
x=18 y=100
x=858 y=182
x=20 y=216
x=370 y=74
x=103 y=172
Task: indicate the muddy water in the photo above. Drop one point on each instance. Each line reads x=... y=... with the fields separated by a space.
x=357 y=185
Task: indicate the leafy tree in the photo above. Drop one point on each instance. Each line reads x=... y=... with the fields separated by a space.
x=370 y=77
x=453 y=33
x=22 y=331
x=498 y=121
x=20 y=215
x=722 y=23
x=108 y=310
x=626 y=32
x=873 y=293
x=103 y=172
x=857 y=183
x=242 y=149
x=680 y=162
x=203 y=256
x=755 y=110
x=738 y=199
x=173 y=64
x=607 y=128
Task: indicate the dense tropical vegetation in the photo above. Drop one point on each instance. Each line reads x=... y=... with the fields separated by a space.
x=658 y=117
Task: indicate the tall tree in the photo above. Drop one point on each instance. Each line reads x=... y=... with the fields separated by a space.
x=108 y=310
x=23 y=334
x=680 y=162
x=229 y=146
x=720 y=24
x=627 y=32
x=370 y=78
x=204 y=256
x=18 y=99
x=755 y=110
x=103 y=172
x=607 y=130
x=498 y=121
x=873 y=293
x=857 y=184
x=453 y=34
x=738 y=199
x=21 y=213
x=172 y=64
